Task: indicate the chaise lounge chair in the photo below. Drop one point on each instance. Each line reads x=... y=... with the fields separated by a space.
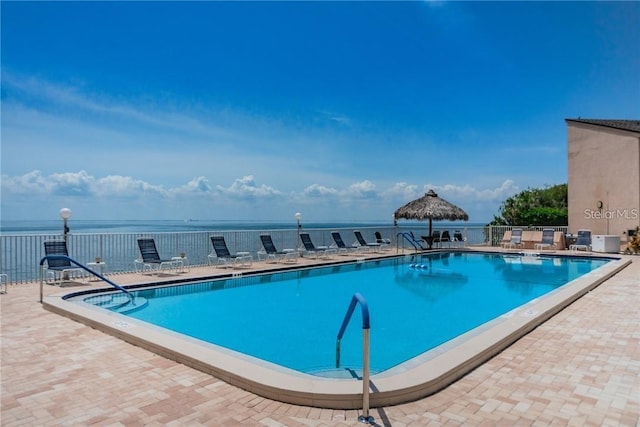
x=434 y=239
x=313 y=250
x=151 y=261
x=516 y=239
x=363 y=243
x=59 y=270
x=582 y=242
x=340 y=246
x=445 y=238
x=458 y=240
x=384 y=242
x=547 y=241
x=222 y=255
x=270 y=251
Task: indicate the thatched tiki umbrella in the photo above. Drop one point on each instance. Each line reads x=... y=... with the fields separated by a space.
x=430 y=207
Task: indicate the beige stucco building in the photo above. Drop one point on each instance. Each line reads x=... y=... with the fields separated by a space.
x=604 y=176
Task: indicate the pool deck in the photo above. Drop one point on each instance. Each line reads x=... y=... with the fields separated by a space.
x=581 y=367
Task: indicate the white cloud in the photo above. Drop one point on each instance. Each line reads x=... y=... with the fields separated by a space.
x=360 y=190
x=402 y=191
x=77 y=184
x=72 y=183
x=29 y=183
x=246 y=188
x=116 y=194
x=467 y=191
x=34 y=182
x=317 y=190
x=364 y=189
x=125 y=186
x=197 y=185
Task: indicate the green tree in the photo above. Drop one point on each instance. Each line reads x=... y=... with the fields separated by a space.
x=535 y=206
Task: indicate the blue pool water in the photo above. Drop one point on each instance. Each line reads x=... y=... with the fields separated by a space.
x=415 y=304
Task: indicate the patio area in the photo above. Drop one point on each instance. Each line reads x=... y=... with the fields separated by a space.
x=582 y=367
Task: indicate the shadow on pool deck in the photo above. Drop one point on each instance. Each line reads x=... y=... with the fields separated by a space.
x=579 y=367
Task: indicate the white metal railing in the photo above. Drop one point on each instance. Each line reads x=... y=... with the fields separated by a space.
x=495 y=233
x=366 y=326
x=20 y=254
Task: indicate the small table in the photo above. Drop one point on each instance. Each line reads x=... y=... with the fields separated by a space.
x=4 y=279
x=181 y=262
x=290 y=255
x=100 y=266
x=245 y=258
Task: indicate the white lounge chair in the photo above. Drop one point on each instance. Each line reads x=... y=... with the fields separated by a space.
x=223 y=256
x=583 y=242
x=59 y=270
x=515 y=241
x=547 y=240
x=151 y=261
x=271 y=253
x=340 y=246
x=313 y=250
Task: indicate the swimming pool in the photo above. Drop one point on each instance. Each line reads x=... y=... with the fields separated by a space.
x=290 y=320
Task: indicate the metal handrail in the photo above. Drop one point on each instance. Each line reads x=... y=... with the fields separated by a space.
x=408 y=238
x=100 y=276
x=358 y=298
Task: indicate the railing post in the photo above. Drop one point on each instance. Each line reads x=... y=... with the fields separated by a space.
x=365 y=417
x=41 y=282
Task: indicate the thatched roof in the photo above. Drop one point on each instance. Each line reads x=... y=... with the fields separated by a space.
x=430 y=206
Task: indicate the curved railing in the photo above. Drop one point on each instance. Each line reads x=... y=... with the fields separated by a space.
x=358 y=298
x=401 y=237
x=83 y=267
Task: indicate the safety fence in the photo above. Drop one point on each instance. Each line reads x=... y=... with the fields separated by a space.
x=20 y=255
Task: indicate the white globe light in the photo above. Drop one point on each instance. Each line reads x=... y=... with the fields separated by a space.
x=65 y=213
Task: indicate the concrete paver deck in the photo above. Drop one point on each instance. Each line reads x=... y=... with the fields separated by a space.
x=582 y=367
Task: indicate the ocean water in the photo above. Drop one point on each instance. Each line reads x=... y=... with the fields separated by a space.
x=16 y=227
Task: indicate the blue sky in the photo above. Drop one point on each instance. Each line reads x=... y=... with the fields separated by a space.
x=338 y=110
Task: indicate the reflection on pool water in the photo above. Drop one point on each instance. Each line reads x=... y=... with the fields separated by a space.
x=416 y=303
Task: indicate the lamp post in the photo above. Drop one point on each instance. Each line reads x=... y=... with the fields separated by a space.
x=65 y=214
x=395 y=229
x=298 y=217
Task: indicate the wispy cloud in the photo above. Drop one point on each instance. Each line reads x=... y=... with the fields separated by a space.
x=247 y=188
x=468 y=192
x=402 y=191
x=318 y=191
x=359 y=190
x=340 y=119
x=28 y=94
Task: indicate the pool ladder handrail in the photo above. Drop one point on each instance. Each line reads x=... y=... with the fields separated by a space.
x=409 y=238
x=366 y=326
x=90 y=271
